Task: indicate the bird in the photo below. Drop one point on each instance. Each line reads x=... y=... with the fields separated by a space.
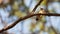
x=42 y=11
x=41 y=19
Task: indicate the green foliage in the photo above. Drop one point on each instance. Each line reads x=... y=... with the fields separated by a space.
x=44 y=2
x=18 y=13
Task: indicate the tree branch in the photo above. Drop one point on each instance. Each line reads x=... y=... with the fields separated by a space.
x=37 y=5
x=26 y=17
x=12 y=25
x=54 y=29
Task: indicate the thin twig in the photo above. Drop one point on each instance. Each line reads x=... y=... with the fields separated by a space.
x=52 y=26
x=26 y=17
x=54 y=29
x=37 y=5
x=50 y=19
x=3 y=23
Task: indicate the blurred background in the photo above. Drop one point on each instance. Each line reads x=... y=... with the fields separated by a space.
x=12 y=10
